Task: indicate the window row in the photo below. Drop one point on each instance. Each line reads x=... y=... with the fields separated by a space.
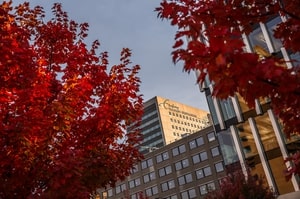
x=170 y=184
x=183 y=130
x=146 y=163
x=143 y=125
x=187 y=178
x=185 y=117
x=184 y=123
x=164 y=171
x=149 y=177
x=134 y=183
x=197 y=158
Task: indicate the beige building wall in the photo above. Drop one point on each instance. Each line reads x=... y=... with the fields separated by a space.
x=179 y=120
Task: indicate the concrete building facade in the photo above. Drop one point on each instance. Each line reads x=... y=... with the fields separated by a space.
x=185 y=169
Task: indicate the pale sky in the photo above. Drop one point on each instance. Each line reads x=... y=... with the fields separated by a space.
x=134 y=24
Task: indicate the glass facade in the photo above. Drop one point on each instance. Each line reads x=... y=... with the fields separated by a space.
x=253 y=138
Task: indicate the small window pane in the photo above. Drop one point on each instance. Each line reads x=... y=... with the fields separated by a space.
x=146 y=178
x=137 y=182
x=165 y=155
x=152 y=176
x=203 y=190
x=219 y=167
x=181 y=180
x=118 y=189
x=196 y=159
x=150 y=162
x=175 y=151
x=154 y=190
x=211 y=186
x=215 y=151
x=168 y=170
x=192 y=193
x=207 y=171
x=184 y=195
x=174 y=197
x=178 y=166
x=192 y=144
x=164 y=186
x=159 y=158
x=182 y=149
x=203 y=156
x=171 y=184
x=110 y=192
x=188 y=178
x=144 y=164
x=200 y=141
x=148 y=192
x=199 y=174
x=211 y=136
x=185 y=163
x=161 y=172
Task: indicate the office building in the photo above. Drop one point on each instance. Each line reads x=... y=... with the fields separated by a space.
x=165 y=121
x=257 y=134
x=185 y=169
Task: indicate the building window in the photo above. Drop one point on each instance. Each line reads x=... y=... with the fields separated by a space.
x=215 y=151
x=147 y=163
x=227 y=108
x=203 y=172
x=207 y=171
x=172 y=197
x=167 y=185
x=199 y=174
x=257 y=38
x=162 y=157
x=152 y=191
x=181 y=164
x=110 y=193
x=134 y=169
x=196 y=143
x=211 y=136
x=178 y=150
x=203 y=156
x=199 y=157
x=204 y=189
x=149 y=177
x=134 y=196
x=165 y=171
x=188 y=194
x=120 y=188
x=134 y=183
x=219 y=167
x=185 y=179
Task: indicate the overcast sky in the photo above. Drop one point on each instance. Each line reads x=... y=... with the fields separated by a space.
x=134 y=24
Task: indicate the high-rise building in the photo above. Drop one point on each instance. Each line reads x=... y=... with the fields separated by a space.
x=259 y=141
x=165 y=121
x=185 y=169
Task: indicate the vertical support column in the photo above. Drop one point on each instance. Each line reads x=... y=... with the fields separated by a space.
x=237 y=109
x=239 y=148
x=281 y=143
x=262 y=155
x=266 y=37
x=218 y=110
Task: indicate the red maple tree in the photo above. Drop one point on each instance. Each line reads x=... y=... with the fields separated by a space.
x=214 y=29
x=64 y=112
x=238 y=186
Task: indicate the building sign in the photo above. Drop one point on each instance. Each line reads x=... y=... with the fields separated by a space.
x=167 y=105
